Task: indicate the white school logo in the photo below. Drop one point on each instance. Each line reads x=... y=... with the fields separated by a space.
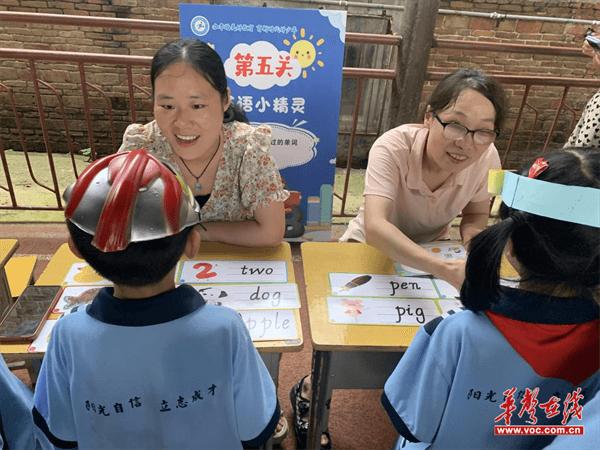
x=200 y=25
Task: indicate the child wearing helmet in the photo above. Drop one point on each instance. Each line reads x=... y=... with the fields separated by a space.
x=147 y=364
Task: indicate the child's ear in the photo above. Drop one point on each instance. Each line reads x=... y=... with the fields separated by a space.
x=193 y=243
x=74 y=248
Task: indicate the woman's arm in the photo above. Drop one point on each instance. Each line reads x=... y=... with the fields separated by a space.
x=385 y=236
x=266 y=230
x=474 y=220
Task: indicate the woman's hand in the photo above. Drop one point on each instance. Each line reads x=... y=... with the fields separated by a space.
x=453 y=272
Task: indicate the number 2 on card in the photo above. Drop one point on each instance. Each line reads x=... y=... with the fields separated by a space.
x=205 y=270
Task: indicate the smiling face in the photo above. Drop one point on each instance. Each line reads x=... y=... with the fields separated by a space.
x=471 y=110
x=188 y=111
x=304 y=52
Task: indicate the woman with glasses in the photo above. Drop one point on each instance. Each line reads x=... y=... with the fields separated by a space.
x=422 y=176
x=419 y=178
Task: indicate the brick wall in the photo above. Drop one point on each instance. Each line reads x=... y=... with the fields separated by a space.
x=532 y=135
x=118 y=41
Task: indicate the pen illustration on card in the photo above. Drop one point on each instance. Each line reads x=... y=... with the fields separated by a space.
x=232 y=272
x=347 y=285
x=73 y=296
x=248 y=296
x=355 y=282
x=450 y=250
x=81 y=273
x=379 y=311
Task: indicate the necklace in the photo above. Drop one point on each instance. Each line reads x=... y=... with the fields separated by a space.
x=197 y=184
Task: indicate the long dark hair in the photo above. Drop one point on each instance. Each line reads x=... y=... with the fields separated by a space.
x=205 y=61
x=549 y=251
x=450 y=87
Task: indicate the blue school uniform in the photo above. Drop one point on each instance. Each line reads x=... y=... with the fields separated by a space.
x=165 y=372
x=448 y=388
x=16 y=400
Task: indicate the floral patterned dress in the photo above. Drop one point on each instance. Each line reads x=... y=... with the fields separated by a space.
x=247 y=177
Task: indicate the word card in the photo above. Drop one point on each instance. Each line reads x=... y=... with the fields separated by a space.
x=367 y=285
x=448 y=250
x=445 y=289
x=73 y=296
x=450 y=305
x=244 y=296
x=40 y=344
x=232 y=272
x=82 y=273
x=378 y=311
x=270 y=324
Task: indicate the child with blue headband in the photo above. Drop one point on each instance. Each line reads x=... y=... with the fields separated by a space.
x=526 y=356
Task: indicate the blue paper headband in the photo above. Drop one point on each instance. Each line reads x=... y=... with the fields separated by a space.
x=576 y=204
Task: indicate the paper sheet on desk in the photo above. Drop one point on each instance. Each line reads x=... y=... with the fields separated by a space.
x=217 y=271
x=73 y=296
x=389 y=286
x=449 y=250
x=251 y=296
x=40 y=344
x=395 y=286
x=271 y=324
x=380 y=311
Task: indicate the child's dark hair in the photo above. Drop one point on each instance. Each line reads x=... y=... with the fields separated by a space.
x=140 y=264
x=205 y=61
x=450 y=87
x=550 y=252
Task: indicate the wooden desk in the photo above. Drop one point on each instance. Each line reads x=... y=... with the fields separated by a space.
x=19 y=271
x=63 y=259
x=345 y=356
x=7 y=248
x=349 y=356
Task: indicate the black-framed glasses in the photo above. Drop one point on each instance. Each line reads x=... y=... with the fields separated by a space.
x=453 y=131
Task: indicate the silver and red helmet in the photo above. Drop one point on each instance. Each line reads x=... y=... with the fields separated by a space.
x=130 y=197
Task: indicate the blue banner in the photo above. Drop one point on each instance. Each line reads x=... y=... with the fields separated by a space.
x=285 y=69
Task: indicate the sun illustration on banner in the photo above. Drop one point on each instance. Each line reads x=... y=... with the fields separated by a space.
x=305 y=52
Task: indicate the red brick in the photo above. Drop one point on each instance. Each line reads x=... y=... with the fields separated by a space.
x=507 y=25
x=528 y=26
x=552 y=27
x=455 y=21
x=479 y=23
